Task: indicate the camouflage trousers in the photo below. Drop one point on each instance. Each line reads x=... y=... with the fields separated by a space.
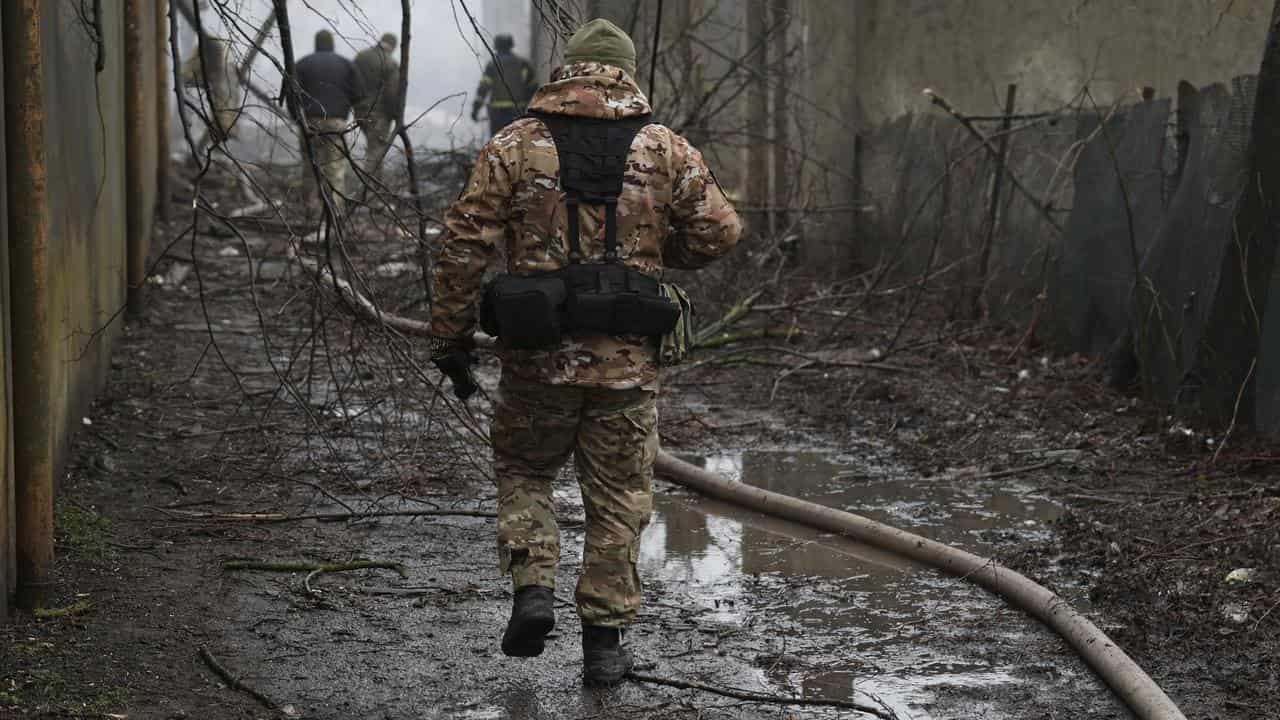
x=613 y=437
x=331 y=155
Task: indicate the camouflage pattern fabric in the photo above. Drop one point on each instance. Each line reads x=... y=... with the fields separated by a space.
x=329 y=144
x=376 y=110
x=671 y=213
x=677 y=344
x=217 y=70
x=613 y=437
x=380 y=76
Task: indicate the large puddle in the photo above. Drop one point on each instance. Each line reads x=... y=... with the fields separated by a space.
x=847 y=620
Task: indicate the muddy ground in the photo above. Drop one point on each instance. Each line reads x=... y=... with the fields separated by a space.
x=242 y=393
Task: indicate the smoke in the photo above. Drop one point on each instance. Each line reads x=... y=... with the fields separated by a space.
x=447 y=59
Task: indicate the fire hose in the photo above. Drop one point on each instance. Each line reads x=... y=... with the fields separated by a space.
x=1116 y=668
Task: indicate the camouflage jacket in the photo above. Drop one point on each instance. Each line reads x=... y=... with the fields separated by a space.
x=380 y=75
x=671 y=213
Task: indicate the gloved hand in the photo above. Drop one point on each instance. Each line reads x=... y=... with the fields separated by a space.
x=475 y=112
x=455 y=362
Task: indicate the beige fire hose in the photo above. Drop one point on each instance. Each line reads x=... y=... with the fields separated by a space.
x=1134 y=686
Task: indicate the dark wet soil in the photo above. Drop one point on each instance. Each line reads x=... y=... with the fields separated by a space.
x=976 y=439
x=1158 y=521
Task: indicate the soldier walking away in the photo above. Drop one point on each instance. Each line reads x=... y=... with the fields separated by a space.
x=213 y=65
x=329 y=87
x=379 y=109
x=589 y=201
x=507 y=84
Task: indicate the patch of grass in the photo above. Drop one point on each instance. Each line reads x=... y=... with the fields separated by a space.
x=78 y=607
x=28 y=647
x=81 y=532
x=50 y=691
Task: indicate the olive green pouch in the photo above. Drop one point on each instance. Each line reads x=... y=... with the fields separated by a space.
x=677 y=344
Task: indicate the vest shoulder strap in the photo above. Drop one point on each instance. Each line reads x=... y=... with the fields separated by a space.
x=593 y=161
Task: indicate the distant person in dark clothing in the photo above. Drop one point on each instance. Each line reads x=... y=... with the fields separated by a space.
x=330 y=87
x=379 y=109
x=507 y=85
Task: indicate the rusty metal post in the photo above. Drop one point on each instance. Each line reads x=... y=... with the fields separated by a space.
x=29 y=312
x=136 y=175
x=8 y=567
x=162 y=107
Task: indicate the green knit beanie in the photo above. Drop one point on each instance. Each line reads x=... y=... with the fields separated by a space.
x=603 y=42
x=324 y=41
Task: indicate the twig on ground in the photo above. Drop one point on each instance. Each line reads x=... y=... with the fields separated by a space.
x=763 y=697
x=323 y=517
x=232 y=681
x=1010 y=472
x=313 y=567
x=1235 y=412
x=79 y=607
x=784 y=333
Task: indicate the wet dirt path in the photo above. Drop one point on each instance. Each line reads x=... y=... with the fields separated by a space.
x=733 y=599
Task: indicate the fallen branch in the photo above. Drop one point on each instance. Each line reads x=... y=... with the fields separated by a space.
x=262 y=566
x=812 y=359
x=401 y=592
x=752 y=696
x=1000 y=473
x=736 y=313
x=782 y=333
x=323 y=517
x=232 y=681
x=79 y=607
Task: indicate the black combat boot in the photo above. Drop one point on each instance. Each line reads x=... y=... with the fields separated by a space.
x=532 y=617
x=604 y=659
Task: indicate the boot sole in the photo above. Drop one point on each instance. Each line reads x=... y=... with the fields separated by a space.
x=528 y=638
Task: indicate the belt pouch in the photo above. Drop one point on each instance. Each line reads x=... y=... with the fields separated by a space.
x=648 y=315
x=525 y=311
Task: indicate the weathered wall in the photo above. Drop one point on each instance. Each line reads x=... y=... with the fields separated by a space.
x=84 y=146
x=98 y=204
x=868 y=61
x=970 y=50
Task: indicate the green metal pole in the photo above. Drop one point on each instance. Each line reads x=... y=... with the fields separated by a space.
x=29 y=292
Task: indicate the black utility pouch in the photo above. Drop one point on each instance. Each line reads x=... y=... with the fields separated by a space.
x=591 y=313
x=524 y=312
x=649 y=315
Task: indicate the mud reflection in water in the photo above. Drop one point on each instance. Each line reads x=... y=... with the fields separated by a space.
x=860 y=618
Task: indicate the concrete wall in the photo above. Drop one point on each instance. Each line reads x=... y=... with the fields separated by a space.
x=970 y=50
x=85 y=152
x=867 y=62
x=96 y=210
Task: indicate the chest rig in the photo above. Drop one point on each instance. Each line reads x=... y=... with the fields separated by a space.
x=603 y=296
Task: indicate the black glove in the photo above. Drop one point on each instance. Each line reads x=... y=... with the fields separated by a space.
x=456 y=364
x=475 y=112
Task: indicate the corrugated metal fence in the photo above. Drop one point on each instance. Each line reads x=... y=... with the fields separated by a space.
x=83 y=128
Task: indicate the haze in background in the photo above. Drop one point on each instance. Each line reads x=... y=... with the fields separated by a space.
x=446 y=61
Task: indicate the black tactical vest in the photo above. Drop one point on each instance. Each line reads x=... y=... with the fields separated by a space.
x=603 y=296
